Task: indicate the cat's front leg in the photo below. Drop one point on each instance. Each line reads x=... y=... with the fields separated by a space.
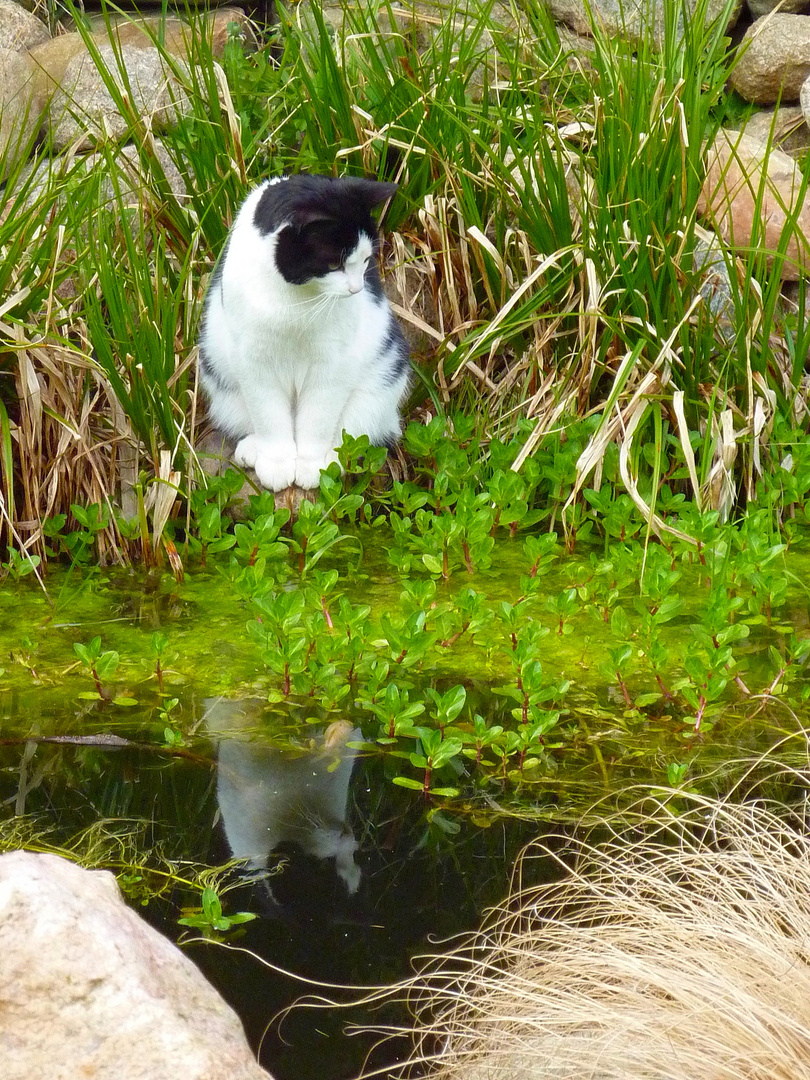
x=320 y=404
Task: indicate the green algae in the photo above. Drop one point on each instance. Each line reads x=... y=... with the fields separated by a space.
x=213 y=648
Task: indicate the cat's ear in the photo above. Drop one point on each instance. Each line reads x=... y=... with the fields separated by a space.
x=372 y=192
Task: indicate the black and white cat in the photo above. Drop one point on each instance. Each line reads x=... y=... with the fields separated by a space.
x=298 y=341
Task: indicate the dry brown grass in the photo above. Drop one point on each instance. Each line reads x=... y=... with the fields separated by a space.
x=678 y=953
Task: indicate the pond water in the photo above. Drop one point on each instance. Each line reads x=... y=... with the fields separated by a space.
x=179 y=741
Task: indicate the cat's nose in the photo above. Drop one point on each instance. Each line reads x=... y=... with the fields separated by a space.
x=355 y=286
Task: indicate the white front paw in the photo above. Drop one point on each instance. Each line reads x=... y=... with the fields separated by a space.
x=308 y=468
x=273 y=460
x=247 y=450
x=275 y=472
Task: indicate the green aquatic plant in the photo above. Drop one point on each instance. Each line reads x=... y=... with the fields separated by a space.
x=100 y=663
x=144 y=867
x=210 y=918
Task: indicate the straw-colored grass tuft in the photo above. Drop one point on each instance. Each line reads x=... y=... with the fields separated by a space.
x=681 y=956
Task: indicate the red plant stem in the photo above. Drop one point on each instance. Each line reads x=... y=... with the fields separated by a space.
x=452 y=640
x=625 y=692
x=102 y=693
x=700 y=712
x=465 y=547
x=667 y=694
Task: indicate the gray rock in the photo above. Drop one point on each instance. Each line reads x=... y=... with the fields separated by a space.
x=83 y=111
x=784 y=128
x=421 y=23
x=21 y=107
x=51 y=171
x=774 y=59
x=627 y=18
x=19 y=29
x=711 y=262
x=758 y=8
x=89 y=989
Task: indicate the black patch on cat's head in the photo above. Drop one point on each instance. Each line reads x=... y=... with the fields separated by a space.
x=321 y=221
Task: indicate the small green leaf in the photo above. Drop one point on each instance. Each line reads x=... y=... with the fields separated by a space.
x=406 y=781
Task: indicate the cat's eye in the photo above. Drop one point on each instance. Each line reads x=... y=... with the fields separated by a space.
x=335 y=265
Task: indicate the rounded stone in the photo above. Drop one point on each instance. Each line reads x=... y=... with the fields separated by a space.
x=83 y=111
x=21 y=107
x=748 y=196
x=629 y=18
x=91 y=990
x=758 y=8
x=19 y=29
x=773 y=60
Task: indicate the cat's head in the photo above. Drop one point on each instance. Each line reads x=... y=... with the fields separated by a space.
x=323 y=228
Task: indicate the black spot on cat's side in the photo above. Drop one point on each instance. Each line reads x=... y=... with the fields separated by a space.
x=210 y=371
x=395 y=350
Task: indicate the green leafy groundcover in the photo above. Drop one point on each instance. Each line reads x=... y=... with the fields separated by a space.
x=481 y=652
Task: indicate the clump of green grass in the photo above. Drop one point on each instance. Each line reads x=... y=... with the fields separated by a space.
x=542 y=244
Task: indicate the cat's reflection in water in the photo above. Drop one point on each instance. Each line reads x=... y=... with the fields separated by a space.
x=274 y=801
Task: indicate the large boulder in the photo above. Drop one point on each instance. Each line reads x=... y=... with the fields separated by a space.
x=53 y=56
x=21 y=107
x=748 y=194
x=774 y=59
x=88 y=989
x=628 y=18
x=132 y=177
x=502 y=30
x=785 y=128
x=19 y=29
x=758 y=8
x=83 y=111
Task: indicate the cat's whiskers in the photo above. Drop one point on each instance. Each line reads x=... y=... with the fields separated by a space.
x=316 y=299
x=326 y=305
